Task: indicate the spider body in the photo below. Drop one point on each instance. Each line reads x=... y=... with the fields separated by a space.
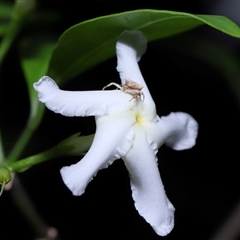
x=130 y=87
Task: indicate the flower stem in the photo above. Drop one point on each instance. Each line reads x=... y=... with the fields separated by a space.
x=33 y=122
x=10 y=35
x=20 y=13
x=25 y=205
x=74 y=145
x=2 y=155
x=28 y=162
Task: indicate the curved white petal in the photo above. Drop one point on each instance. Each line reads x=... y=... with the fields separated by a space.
x=131 y=45
x=146 y=184
x=112 y=140
x=81 y=103
x=178 y=130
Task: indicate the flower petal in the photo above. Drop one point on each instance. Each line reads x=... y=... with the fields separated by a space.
x=131 y=45
x=177 y=130
x=81 y=103
x=146 y=184
x=112 y=140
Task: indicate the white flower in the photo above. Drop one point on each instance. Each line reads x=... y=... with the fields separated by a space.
x=126 y=128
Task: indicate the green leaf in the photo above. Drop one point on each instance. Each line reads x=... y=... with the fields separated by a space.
x=35 y=54
x=5 y=16
x=88 y=43
x=20 y=13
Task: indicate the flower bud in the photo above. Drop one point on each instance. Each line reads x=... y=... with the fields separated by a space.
x=5 y=177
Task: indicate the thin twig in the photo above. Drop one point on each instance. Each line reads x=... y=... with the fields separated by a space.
x=25 y=205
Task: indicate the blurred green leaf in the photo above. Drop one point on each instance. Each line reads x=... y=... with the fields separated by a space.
x=35 y=53
x=6 y=9
x=88 y=43
x=5 y=16
x=19 y=14
x=34 y=57
x=22 y=9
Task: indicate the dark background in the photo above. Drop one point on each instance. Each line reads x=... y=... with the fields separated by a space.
x=202 y=183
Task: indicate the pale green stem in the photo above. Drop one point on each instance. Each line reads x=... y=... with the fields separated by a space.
x=28 y=162
x=21 y=143
x=2 y=155
x=20 y=13
x=9 y=37
x=25 y=205
x=1 y=190
x=71 y=146
x=33 y=122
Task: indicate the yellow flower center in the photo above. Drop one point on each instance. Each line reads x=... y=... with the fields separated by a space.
x=139 y=119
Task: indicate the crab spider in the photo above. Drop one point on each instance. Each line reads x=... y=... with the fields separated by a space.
x=130 y=87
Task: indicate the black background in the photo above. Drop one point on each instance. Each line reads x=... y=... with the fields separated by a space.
x=202 y=183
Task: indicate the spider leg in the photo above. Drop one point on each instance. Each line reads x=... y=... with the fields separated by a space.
x=136 y=95
x=112 y=84
x=142 y=94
